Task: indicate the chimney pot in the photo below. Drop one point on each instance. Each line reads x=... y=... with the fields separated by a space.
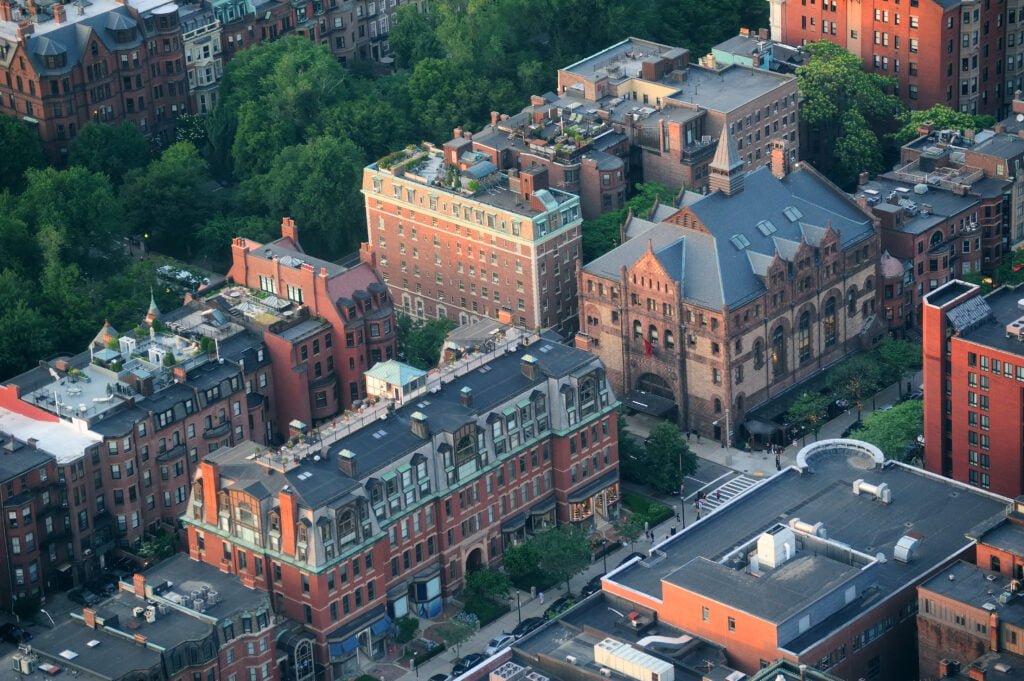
x=863 y=178
x=466 y=396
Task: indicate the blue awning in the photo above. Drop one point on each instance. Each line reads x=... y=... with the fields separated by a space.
x=381 y=625
x=341 y=648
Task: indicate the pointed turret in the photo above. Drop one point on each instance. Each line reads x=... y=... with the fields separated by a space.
x=106 y=334
x=153 y=313
x=726 y=168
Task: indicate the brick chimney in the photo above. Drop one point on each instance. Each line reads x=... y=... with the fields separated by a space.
x=993 y=632
x=289 y=230
x=139 y=584
x=209 y=472
x=466 y=396
x=25 y=29
x=179 y=374
x=495 y=115
x=528 y=367
x=780 y=160
x=289 y=516
x=59 y=14
x=948 y=667
x=89 y=617
x=975 y=673
x=5 y=10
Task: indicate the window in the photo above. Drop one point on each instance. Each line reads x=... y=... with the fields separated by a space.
x=732 y=624
x=778 y=352
x=804 y=337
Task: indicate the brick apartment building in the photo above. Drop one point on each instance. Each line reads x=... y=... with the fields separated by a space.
x=179 y=620
x=454 y=237
x=723 y=303
x=973 y=369
x=202 y=37
x=384 y=517
x=970 y=616
x=963 y=54
x=346 y=323
x=123 y=435
x=103 y=61
x=832 y=584
x=641 y=111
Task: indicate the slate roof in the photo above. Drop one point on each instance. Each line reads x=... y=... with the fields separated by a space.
x=715 y=273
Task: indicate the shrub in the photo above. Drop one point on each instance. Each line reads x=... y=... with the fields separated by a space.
x=485 y=609
x=407 y=628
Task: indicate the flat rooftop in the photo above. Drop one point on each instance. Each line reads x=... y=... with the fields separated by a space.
x=920 y=212
x=73 y=645
x=1005 y=308
x=979 y=588
x=948 y=292
x=726 y=89
x=625 y=58
x=66 y=441
x=73 y=15
x=187 y=575
x=941 y=512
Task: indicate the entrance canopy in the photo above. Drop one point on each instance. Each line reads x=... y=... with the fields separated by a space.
x=648 y=403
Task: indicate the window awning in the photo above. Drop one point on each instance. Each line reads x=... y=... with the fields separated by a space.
x=523 y=404
x=509 y=411
x=545 y=506
x=380 y=626
x=342 y=648
x=514 y=523
x=584 y=493
x=648 y=403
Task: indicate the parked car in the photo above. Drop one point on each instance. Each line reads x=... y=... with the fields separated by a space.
x=591 y=587
x=12 y=633
x=635 y=554
x=500 y=641
x=467 y=663
x=526 y=626
x=559 y=606
x=83 y=597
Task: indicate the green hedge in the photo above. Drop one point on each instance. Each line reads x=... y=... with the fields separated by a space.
x=486 y=609
x=647 y=510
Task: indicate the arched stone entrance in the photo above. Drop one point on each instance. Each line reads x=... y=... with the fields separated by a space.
x=475 y=560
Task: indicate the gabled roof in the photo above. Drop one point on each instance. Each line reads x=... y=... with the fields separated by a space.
x=394 y=372
x=726 y=157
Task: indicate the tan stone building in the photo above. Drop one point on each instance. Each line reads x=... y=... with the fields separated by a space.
x=735 y=297
x=456 y=238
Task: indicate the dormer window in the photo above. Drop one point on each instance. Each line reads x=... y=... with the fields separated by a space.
x=465 y=450
x=55 y=61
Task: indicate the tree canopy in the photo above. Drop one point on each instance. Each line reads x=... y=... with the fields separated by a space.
x=602 y=234
x=420 y=340
x=809 y=411
x=562 y=552
x=895 y=430
x=22 y=150
x=661 y=463
x=111 y=149
x=941 y=117
x=843 y=106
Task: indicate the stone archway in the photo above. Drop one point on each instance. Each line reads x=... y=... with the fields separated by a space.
x=656 y=385
x=475 y=560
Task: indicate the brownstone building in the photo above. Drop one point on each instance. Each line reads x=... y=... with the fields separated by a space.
x=963 y=54
x=733 y=297
x=454 y=237
x=346 y=323
x=105 y=61
x=384 y=516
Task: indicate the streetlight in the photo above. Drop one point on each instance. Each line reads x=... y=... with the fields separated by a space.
x=727 y=436
x=604 y=553
x=519 y=607
x=415 y=664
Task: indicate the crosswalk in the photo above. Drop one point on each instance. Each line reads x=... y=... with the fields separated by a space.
x=715 y=498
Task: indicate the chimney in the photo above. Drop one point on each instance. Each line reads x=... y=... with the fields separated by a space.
x=744 y=32
x=5 y=10
x=323 y=272
x=494 y=119
x=32 y=443
x=89 y=617
x=466 y=396
x=289 y=516
x=803 y=672
x=1018 y=101
x=25 y=29
x=993 y=632
x=179 y=374
x=209 y=473
x=289 y=230
x=528 y=365
x=505 y=315
x=59 y=15
x=948 y=667
x=457 y=133
x=139 y=584
x=762 y=33
x=780 y=164
x=999 y=128
x=975 y=673
x=537 y=100
x=863 y=178
x=420 y=425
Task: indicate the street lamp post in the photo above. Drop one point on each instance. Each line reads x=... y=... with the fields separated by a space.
x=519 y=607
x=604 y=554
x=415 y=665
x=727 y=436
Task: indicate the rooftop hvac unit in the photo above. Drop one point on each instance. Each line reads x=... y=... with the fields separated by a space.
x=151 y=614
x=905 y=547
x=199 y=605
x=571 y=659
x=23 y=664
x=880 y=491
x=606 y=673
x=212 y=597
x=195 y=595
x=138 y=611
x=162 y=608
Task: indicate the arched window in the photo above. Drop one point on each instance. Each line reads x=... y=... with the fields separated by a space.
x=718 y=406
x=758 y=354
x=778 y=352
x=652 y=334
x=670 y=340
x=638 y=329
x=465 y=450
x=936 y=238
x=739 y=346
x=851 y=302
x=869 y=284
x=829 y=322
x=804 y=336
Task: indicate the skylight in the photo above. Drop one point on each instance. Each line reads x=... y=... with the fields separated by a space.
x=767 y=227
x=739 y=241
x=793 y=213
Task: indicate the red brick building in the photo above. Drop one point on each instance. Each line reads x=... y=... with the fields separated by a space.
x=456 y=238
x=973 y=369
x=179 y=621
x=941 y=52
x=384 y=516
x=722 y=303
x=347 y=323
x=832 y=584
x=106 y=61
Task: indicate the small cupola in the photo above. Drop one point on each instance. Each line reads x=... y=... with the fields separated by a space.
x=420 y=425
x=528 y=366
x=466 y=396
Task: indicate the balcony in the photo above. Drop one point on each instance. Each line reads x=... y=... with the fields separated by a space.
x=218 y=430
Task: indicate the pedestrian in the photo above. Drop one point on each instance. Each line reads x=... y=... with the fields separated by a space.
x=672 y=531
x=540 y=596
x=689 y=434
x=718 y=495
x=698 y=437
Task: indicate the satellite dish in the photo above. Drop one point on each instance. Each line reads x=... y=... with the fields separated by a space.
x=1020 y=117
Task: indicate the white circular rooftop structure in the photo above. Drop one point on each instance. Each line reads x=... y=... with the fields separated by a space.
x=871 y=454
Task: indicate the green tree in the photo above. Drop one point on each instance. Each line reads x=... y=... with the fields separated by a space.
x=809 y=411
x=170 y=198
x=629 y=528
x=110 y=149
x=487 y=584
x=18 y=247
x=562 y=552
x=412 y=37
x=897 y=357
x=843 y=105
x=941 y=117
x=603 y=233
x=22 y=150
x=701 y=25
x=631 y=453
x=520 y=563
x=408 y=627
x=895 y=431
x=857 y=379
x=213 y=237
x=25 y=335
x=81 y=206
x=667 y=459
x=455 y=633
x=318 y=184
x=191 y=128
x=420 y=341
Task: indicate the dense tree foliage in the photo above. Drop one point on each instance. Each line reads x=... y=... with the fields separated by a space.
x=420 y=341
x=941 y=117
x=602 y=234
x=895 y=430
x=110 y=149
x=21 y=151
x=843 y=107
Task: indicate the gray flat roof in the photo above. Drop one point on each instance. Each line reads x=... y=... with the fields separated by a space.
x=729 y=88
x=941 y=511
x=191 y=575
x=1008 y=536
x=113 y=658
x=979 y=588
x=992 y=331
x=942 y=204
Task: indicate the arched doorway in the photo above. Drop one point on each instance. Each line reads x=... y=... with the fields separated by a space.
x=656 y=385
x=475 y=560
